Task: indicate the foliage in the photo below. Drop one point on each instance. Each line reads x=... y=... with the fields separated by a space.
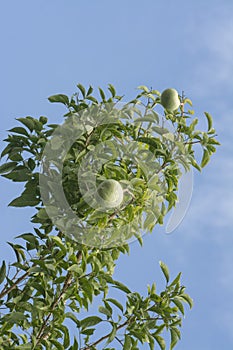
x=55 y=275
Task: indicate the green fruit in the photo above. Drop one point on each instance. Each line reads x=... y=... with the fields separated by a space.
x=110 y=193
x=170 y=99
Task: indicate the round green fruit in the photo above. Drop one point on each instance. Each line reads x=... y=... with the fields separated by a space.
x=170 y=99
x=110 y=193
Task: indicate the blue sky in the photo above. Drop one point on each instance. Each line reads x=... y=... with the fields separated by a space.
x=48 y=47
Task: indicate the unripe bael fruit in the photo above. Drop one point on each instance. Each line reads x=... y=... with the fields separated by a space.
x=170 y=99
x=110 y=193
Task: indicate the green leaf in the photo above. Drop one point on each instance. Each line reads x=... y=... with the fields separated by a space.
x=92 y=98
x=75 y=345
x=27 y=346
x=19 y=130
x=73 y=318
x=35 y=269
x=155 y=143
x=174 y=338
x=28 y=122
x=205 y=158
x=102 y=94
x=112 y=90
x=90 y=321
x=165 y=270
x=143 y=87
x=195 y=165
x=112 y=334
x=16 y=251
x=60 y=244
x=116 y=303
x=145 y=119
x=179 y=304
x=209 y=120
x=20 y=174
x=24 y=201
x=187 y=100
x=212 y=141
x=121 y=286
x=38 y=125
x=2 y=271
x=75 y=268
x=5 y=168
x=187 y=298
x=149 y=221
x=90 y=90
x=88 y=331
x=31 y=164
x=29 y=237
x=82 y=89
x=127 y=342
x=59 y=98
x=66 y=338
x=156 y=92
x=15 y=317
x=175 y=281
x=6 y=150
x=160 y=341
x=58 y=345
x=104 y=311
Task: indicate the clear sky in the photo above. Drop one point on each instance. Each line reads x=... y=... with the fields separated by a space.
x=48 y=47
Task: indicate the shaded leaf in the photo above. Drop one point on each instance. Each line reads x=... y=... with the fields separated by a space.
x=5 y=168
x=18 y=175
x=19 y=130
x=127 y=342
x=24 y=201
x=15 y=317
x=112 y=90
x=90 y=90
x=82 y=89
x=102 y=94
x=2 y=271
x=28 y=122
x=29 y=237
x=59 y=98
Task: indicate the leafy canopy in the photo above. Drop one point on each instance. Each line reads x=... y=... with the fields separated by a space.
x=68 y=260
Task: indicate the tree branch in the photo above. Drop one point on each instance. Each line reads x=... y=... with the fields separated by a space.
x=8 y=290
x=66 y=285
x=105 y=336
